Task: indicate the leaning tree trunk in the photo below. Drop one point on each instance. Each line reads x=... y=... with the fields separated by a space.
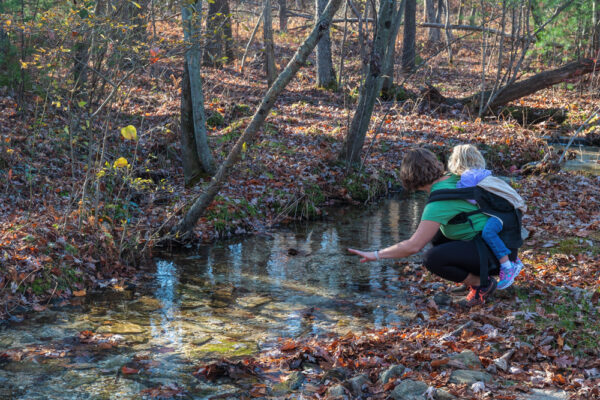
x=388 y=64
x=519 y=89
x=325 y=71
x=190 y=15
x=219 y=38
x=369 y=92
x=186 y=224
x=268 y=42
x=410 y=32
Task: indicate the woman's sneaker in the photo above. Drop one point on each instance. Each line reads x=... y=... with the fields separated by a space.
x=508 y=275
x=479 y=295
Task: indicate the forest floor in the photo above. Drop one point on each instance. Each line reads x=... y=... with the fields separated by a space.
x=66 y=227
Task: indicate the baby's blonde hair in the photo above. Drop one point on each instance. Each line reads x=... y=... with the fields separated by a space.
x=465 y=157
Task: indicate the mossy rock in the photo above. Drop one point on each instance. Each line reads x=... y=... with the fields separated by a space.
x=230 y=348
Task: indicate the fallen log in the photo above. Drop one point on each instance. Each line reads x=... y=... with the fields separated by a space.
x=515 y=90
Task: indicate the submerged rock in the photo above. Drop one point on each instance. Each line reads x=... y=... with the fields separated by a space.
x=252 y=301
x=121 y=328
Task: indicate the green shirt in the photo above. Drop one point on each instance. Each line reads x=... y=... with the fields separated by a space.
x=443 y=211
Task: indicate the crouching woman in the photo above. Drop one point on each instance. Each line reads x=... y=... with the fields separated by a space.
x=454 y=255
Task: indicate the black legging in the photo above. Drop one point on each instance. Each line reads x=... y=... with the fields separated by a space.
x=455 y=259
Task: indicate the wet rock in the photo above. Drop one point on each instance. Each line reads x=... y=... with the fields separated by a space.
x=252 y=301
x=121 y=328
x=394 y=371
x=6 y=342
x=295 y=380
x=442 y=299
x=441 y=394
x=468 y=359
x=469 y=376
x=73 y=379
x=200 y=339
x=409 y=390
x=544 y=394
x=336 y=392
x=357 y=383
x=229 y=348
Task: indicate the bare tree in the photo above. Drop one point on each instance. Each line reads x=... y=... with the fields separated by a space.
x=325 y=71
x=388 y=64
x=283 y=15
x=410 y=32
x=193 y=105
x=199 y=205
x=371 y=88
x=219 y=38
x=430 y=16
x=268 y=43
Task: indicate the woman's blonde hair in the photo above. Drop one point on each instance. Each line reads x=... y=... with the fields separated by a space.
x=465 y=157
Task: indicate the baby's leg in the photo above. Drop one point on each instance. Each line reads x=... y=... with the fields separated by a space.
x=490 y=235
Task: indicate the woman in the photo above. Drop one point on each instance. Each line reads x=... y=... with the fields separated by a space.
x=454 y=255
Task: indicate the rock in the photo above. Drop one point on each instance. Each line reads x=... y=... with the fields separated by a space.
x=121 y=327
x=6 y=342
x=146 y=303
x=469 y=376
x=409 y=390
x=357 y=382
x=295 y=380
x=544 y=394
x=252 y=301
x=442 y=299
x=394 y=371
x=441 y=394
x=336 y=374
x=468 y=359
x=336 y=392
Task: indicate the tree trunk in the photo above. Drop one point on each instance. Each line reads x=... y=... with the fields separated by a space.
x=472 y=16
x=595 y=28
x=448 y=30
x=519 y=89
x=269 y=46
x=370 y=90
x=325 y=71
x=190 y=15
x=388 y=64
x=410 y=31
x=461 y=11
x=434 y=34
x=219 y=38
x=187 y=223
x=192 y=168
x=283 y=15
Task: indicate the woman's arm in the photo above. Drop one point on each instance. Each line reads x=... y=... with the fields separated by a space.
x=423 y=235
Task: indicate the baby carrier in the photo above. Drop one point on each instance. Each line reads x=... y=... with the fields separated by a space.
x=494 y=198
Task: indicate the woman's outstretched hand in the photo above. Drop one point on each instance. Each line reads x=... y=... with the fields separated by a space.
x=366 y=255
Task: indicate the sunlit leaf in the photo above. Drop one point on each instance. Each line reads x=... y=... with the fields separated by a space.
x=129 y=132
x=121 y=162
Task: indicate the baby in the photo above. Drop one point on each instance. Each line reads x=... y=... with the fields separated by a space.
x=468 y=162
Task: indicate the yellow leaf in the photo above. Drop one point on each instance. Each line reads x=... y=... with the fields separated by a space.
x=129 y=132
x=8 y=22
x=23 y=64
x=136 y=4
x=79 y=293
x=121 y=162
x=244 y=147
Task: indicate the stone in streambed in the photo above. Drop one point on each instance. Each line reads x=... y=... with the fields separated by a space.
x=468 y=359
x=121 y=328
x=394 y=371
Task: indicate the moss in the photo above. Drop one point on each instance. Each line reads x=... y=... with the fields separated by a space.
x=215 y=119
x=230 y=348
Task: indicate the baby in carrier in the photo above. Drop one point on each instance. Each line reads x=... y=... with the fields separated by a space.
x=469 y=163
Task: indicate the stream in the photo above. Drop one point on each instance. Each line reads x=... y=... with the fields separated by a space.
x=228 y=299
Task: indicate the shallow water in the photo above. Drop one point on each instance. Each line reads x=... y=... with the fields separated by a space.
x=587 y=159
x=229 y=299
